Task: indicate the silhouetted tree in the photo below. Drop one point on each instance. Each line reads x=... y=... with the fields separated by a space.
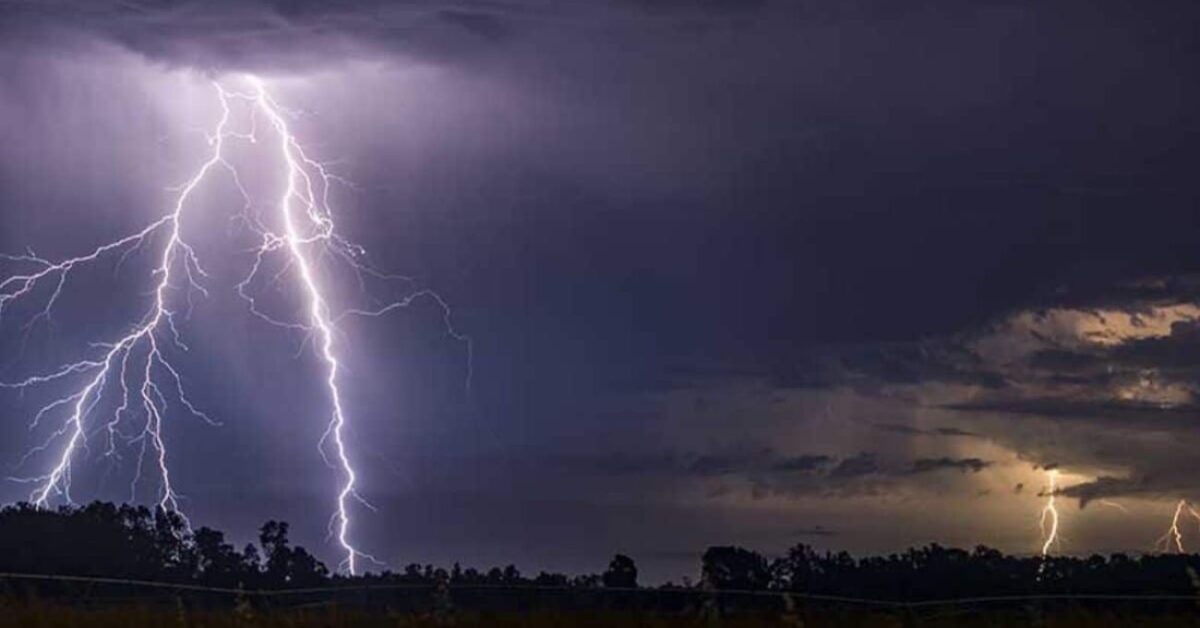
x=219 y=563
x=734 y=568
x=287 y=565
x=621 y=573
x=798 y=570
x=544 y=579
x=139 y=543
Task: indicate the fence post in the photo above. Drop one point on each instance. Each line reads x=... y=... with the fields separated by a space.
x=710 y=604
x=243 y=610
x=791 y=611
x=443 y=603
x=1195 y=578
x=1036 y=611
x=181 y=614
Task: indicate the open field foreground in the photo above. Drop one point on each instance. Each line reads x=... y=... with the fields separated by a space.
x=52 y=615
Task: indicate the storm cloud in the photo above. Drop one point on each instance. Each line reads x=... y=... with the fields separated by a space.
x=733 y=271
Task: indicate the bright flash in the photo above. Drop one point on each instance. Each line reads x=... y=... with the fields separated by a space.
x=139 y=363
x=1172 y=540
x=1049 y=520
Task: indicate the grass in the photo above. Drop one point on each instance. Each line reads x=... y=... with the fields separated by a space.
x=50 y=615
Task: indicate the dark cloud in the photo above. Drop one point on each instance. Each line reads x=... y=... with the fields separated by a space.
x=735 y=461
x=900 y=429
x=922 y=362
x=914 y=431
x=770 y=206
x=1166 y=478
x=1088 y=292
x=819 y=531
x=725 y=464
x=767 y=472
x=802 y=464
x=260 y=34
x=1115 y=412
x=1172 y=358
x=860 y=465
x=1178 y=351
x=927 y=465
x=300 y=34
x=1060 y=360
x=1105 y=487
x=952 y=431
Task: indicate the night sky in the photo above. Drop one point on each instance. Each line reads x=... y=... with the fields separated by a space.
x=853 y=274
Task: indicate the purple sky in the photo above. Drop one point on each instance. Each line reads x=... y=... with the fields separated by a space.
x=735 y=272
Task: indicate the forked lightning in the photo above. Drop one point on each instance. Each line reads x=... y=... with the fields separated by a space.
x=138 y=364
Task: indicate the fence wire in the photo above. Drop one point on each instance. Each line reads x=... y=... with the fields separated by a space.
x=786 y=598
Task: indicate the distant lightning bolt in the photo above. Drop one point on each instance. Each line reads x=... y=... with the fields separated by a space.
x=1049 y=520
x=305 y=234
x=1172 y=540
x=1114 y=505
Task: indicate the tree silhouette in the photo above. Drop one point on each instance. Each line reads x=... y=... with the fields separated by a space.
x=138 y=543
x=731 y=567
x=219 y=564
x=621 y=573
x=102 y=539
x=287 y=565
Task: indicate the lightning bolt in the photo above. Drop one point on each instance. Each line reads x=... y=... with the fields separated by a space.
x=1049 y=519
x=1172 y=539
x=139 y=363
x=1114 y=505
x=114 y=363
x=300 y=179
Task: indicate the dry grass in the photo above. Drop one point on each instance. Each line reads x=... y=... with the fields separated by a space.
x=45 y=615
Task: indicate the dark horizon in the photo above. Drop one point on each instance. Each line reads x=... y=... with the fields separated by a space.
x=151 y=551
x=754 y=273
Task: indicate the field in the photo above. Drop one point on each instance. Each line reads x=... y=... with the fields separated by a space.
x=56 y=615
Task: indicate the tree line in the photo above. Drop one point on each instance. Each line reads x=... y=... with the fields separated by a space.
x=139 y=543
